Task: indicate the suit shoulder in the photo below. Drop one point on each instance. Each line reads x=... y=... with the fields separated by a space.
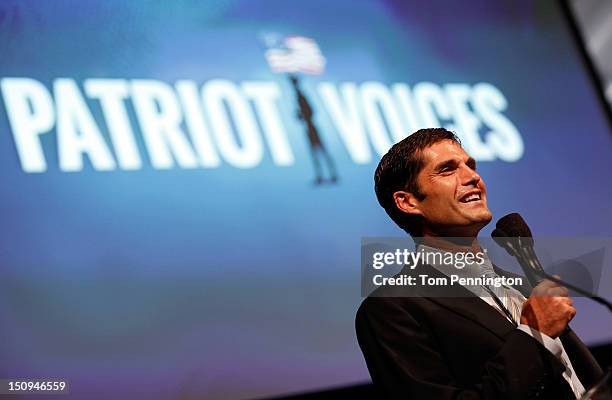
x=387 y=305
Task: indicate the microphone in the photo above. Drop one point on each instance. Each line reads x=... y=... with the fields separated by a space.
x=513 y=234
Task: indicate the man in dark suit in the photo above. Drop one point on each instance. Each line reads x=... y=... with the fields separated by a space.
x=468 y=346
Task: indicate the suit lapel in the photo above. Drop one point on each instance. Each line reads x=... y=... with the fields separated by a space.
x=469 y=306
x=476 y=310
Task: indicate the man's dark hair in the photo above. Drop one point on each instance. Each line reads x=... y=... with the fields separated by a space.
x=398 y=171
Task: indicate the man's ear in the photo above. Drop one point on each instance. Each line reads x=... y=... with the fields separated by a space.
x=407 y=202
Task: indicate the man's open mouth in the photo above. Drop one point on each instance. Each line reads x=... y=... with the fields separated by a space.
x=470 y=197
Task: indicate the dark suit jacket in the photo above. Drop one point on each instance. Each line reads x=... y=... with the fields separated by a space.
x=461 y=348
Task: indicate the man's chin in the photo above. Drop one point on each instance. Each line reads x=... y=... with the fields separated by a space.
x=480 y=213
x=479 y=221
x=487 y=216
x=484 y=218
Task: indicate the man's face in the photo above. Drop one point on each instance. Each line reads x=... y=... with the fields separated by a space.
x=455 y=202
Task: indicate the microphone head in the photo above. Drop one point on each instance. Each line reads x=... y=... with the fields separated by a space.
x=503 y=240
x=513 y=234
x=513 y=225
x=498 y=234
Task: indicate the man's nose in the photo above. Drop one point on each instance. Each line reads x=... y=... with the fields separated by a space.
x=469 y=176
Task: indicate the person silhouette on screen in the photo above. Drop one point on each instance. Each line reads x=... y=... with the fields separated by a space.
x=317 y=149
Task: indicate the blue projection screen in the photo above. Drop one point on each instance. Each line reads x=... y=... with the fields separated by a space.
x=166 y=232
